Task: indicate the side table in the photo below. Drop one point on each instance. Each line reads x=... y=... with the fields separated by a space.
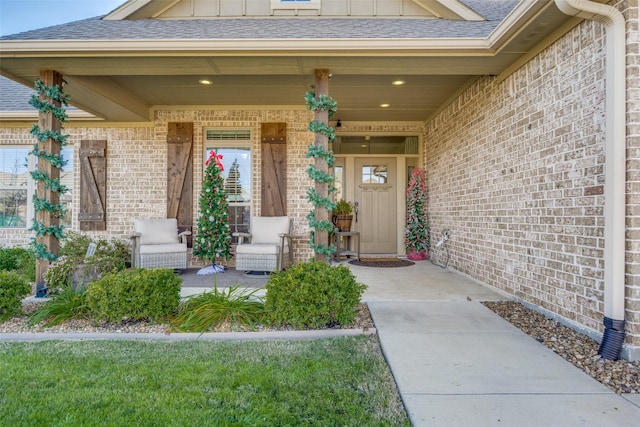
x=343 y=244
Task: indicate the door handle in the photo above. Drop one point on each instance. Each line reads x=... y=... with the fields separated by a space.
x=355 y=204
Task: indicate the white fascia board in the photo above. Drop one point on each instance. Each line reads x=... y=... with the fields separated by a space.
x=93 y=48
x=126 y=9
x=17 y=115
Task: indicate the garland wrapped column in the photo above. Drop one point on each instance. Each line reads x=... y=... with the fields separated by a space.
x=50 y=140
x=319 y=195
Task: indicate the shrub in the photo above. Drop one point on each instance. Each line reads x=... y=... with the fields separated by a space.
x=110 y=256
x=59 y=274
x=235 y=306
x=137 y=294
x=13 y=288
x=312 y=295
x=64 y=305
x=20 y=260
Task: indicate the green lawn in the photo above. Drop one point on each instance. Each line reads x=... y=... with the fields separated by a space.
x=331 y=382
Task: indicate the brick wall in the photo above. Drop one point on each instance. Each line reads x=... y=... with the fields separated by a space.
x=516 y=169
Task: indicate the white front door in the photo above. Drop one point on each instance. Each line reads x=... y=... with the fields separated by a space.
x=375 y=193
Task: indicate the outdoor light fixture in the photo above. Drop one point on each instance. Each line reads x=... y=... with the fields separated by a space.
x=338 y=123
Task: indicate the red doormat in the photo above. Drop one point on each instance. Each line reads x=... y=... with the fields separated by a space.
x=382 y=262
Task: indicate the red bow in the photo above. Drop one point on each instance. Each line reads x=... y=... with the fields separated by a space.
x=217 y=157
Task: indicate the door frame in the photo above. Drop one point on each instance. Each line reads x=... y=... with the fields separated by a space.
x=403 y=162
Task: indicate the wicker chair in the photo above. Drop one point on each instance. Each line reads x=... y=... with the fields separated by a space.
x=157 y=244
x=268 y=247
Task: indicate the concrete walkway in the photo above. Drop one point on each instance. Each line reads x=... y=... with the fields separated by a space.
x=457 y=363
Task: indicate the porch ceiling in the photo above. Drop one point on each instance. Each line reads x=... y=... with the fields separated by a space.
x=125 y=84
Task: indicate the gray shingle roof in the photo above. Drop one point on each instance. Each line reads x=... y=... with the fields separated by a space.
x=14 y=96
x=277 y=28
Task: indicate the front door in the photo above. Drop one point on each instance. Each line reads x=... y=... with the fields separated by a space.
x=375 y=182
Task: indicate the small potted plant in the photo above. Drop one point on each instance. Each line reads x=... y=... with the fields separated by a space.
x=343 y=215
x=417 y=229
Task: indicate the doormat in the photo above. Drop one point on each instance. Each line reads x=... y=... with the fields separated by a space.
x=382 y=262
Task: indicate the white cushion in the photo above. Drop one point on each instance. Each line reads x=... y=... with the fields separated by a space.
x=258 y=249
x=167 y=248
x=265 y=229
x=156 y=231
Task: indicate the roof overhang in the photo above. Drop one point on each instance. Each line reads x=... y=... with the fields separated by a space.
x=123 y=80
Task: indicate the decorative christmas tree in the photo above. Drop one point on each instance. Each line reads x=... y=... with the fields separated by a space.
x=214 y=235
x=417 y=229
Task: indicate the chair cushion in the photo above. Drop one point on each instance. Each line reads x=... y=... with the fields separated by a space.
x=166 y=248
x=156 y=231
x=258 y=249
x=265 y=229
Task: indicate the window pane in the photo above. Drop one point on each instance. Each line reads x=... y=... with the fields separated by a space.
x=374 y=174
x=14 y=170
x=237 y=172
x=66 y=178
x=13 y=208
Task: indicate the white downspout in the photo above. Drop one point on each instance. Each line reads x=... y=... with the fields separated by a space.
x=615 y=158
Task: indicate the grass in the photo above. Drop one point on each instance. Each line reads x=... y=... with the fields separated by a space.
x=332 y=382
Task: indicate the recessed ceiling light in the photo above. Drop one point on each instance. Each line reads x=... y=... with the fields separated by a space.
x=398 y=82
x=385 y=105
x=204 y=82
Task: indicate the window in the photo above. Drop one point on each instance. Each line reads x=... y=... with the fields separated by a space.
x=374 y=174
x=235 y=148
x=17 y=187
x=295 y=4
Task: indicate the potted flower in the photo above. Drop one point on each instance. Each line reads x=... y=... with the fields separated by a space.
x=417 y=228
x=343 y=215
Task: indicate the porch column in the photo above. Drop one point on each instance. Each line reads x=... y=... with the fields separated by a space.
x=321 y=88
x=48 y=122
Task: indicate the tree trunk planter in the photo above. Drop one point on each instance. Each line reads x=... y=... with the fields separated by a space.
x=83 y=275
x=343 y=222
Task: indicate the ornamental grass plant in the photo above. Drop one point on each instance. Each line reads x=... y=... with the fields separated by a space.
x=231 y=308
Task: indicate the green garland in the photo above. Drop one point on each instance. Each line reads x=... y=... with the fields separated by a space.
x=321 y=103
x=40 y=204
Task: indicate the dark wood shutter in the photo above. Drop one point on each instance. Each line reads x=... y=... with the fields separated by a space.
x=180 y=175
x=274 y=169
x=93 y=186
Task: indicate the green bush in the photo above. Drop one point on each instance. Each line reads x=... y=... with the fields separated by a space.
x=59 y=274
x=313 y=295
x=13 y=288
x=64 y=305
x=137 y=294
x=234 y=306
x=20 y=260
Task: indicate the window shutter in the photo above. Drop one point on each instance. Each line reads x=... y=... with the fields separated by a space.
x=93 y=185
x=180 y=175
x=274 y=169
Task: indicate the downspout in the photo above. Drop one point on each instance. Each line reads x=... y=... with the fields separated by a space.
x=615 y=168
